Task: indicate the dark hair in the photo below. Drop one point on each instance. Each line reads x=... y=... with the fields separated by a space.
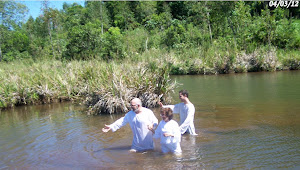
x=168 y=112
x=184 y=92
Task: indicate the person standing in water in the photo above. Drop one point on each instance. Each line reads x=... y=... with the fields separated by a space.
x=141 y=121
x=168 y=132
x=186 y=111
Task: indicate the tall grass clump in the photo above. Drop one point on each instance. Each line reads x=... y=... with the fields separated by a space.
x=105 y=87
x=147 y=81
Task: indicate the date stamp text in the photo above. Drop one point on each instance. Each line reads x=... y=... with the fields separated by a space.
x=284 y=3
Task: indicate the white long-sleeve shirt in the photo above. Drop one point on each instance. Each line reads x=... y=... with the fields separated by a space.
x=142 y=137
x=170 y=127
x=169 y=143
x=186 y=112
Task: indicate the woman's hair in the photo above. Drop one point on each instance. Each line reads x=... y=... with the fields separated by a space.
x=168 y=112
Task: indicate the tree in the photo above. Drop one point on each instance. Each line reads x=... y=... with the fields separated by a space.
x=198 y=15
x=84 y=34
x=179 y=9
x=121 y=15
x=49 y=15
x=174 y=34
x=12 y=14
x=113 y=43
x=240 y=22
x=143 y=9
x=98 y=11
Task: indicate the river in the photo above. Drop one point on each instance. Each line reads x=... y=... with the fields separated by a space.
x=244 y=121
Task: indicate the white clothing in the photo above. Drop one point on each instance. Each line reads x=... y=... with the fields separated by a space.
x=186 y=112
x=142 y=136
x=169 y=143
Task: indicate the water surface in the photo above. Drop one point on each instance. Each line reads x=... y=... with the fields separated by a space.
x=244 y=121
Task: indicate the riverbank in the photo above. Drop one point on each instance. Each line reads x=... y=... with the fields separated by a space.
x=107 y=87
x=103 y=87
x=219 y=59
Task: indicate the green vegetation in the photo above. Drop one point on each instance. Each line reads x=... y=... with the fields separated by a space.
x=109 y=52
x=106 y=87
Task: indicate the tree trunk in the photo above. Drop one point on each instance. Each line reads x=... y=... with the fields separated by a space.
x=59 y=44
x=0 y=52
x=45 y=9
x=49 y=31
x=207 y=13
x=1 y=39
x=101 y=17
x=146 y=45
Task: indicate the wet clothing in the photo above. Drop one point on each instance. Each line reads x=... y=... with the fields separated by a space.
x=186 y=112
x=142 y=136
x=169 y=143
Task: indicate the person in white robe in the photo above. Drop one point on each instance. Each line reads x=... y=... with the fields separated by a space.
x=141 y=121
x=186 y=111
x=168 y=132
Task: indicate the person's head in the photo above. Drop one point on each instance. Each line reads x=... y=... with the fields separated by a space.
x=136 y=105
x=183 y=94
x=166 y=114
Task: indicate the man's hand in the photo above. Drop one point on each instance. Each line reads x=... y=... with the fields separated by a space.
x=160 y=104
x=150 y=127
x=106 y=129
x=168 y=134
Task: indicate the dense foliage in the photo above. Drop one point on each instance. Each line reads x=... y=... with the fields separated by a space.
x=117 y=30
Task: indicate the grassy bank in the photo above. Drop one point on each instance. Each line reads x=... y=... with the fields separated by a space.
x=223 y=60
x=104 y=87
x=108 y=87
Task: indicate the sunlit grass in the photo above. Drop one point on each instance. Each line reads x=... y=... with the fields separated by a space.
x=220 y=59
x=108 y=87
x=105 y=87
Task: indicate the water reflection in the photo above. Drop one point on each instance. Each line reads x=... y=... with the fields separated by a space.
x=244 y=121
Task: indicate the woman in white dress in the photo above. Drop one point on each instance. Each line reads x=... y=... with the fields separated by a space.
x=168 y=132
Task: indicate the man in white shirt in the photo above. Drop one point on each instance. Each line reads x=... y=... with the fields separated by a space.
x=186 y=110
x=140 y=120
